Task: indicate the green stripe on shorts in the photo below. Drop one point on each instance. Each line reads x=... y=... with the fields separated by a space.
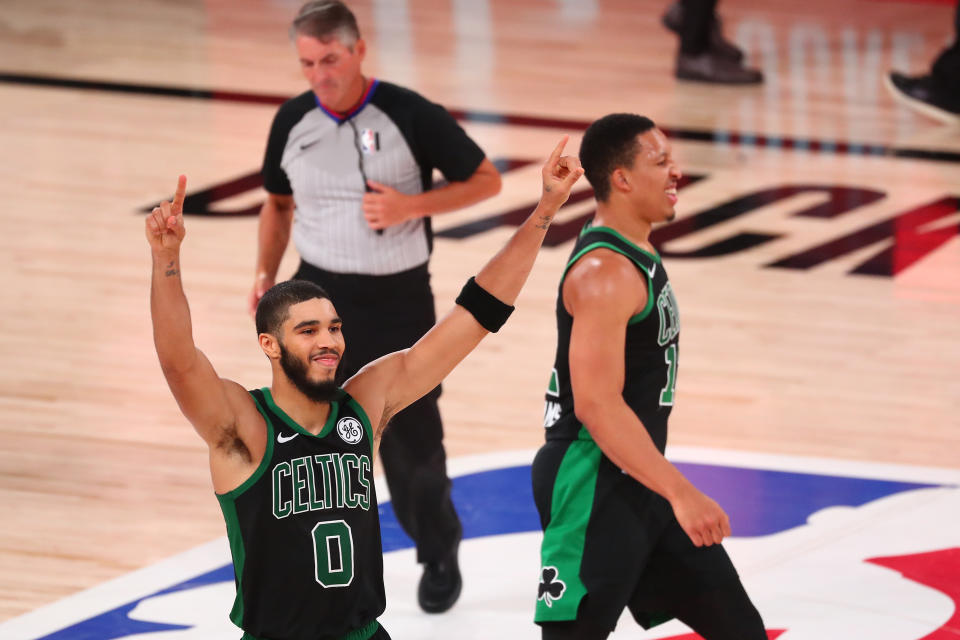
x=561 y=553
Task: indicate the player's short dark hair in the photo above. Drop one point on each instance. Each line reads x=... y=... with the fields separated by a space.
x=608 y=143
x=274 y=307
x=324 y=20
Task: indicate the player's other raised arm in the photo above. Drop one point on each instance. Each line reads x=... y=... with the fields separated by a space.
x=391 y=383
x=201 y=394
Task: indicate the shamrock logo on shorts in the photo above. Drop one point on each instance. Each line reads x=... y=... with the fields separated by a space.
x=551 y=588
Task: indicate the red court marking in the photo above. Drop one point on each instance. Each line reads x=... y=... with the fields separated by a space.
x=939 y=570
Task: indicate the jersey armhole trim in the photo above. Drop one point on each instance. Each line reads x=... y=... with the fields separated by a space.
x=647 y=308
x=264 y=463
x=352 y=403
x=606 y=245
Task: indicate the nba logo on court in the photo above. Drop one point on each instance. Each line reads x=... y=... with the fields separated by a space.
x=369 y=141
x=823 y=547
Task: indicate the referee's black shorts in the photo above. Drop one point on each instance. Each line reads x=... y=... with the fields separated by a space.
x=381 y=314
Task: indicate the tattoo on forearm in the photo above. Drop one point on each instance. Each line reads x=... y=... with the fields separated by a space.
x=544 y=222
x=171 y=269
x=548 y=188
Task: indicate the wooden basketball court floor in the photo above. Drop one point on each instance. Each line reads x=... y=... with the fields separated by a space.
x=816 y=261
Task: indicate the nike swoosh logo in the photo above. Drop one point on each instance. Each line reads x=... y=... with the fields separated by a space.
x=307 y=145
x=653 y=270
x=282 y=438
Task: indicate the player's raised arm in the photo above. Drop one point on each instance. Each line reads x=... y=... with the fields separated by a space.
x=391 y=383
x=201 y=394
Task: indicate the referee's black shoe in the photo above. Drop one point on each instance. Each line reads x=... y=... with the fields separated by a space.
x=922 y=94
x=440 y=585
x=718 y=45
x=709 y=67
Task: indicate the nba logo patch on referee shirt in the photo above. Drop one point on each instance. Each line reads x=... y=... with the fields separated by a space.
x=369 y=141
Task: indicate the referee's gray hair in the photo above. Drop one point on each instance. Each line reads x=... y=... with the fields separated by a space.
x=325 y=20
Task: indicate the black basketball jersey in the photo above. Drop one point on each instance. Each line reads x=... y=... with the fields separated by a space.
x=304 y=530
x=651 y=349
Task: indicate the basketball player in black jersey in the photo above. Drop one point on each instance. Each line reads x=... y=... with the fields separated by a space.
x=622 y=526
x=292 y=463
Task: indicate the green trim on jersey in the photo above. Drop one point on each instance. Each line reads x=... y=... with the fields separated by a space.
x=587 y=228
x=364 y=419
x=640 y=317
x=228 y=506
x=264 y=463
x=331 y=419
x=363 y=633
x=237 y=552
x=565 y=535
x=606 y=245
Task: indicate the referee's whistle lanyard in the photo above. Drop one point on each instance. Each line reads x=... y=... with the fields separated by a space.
x=356 y=134
x=359 y=148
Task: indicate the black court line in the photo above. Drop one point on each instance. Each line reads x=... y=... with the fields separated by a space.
x=140 y=89
x=677 y=133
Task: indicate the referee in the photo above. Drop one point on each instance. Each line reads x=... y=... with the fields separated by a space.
x=348 y=167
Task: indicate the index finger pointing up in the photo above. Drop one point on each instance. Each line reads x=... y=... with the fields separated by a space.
x=555 y=156
x=179 y=195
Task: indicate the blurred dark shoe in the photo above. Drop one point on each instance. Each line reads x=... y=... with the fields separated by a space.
x=919 y=93
x=440 y=585
x=709 y=67
x=673 y=20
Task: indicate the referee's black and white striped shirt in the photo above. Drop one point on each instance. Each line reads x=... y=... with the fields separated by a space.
x=394 y=136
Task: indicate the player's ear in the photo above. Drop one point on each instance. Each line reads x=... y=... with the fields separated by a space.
x=619 y=180
x=360 y=48
x=270 y=345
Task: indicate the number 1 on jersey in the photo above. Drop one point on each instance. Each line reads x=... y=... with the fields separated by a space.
x=666 y=394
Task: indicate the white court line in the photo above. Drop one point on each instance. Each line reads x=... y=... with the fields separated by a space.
x=215 y=554
x=117 y=592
